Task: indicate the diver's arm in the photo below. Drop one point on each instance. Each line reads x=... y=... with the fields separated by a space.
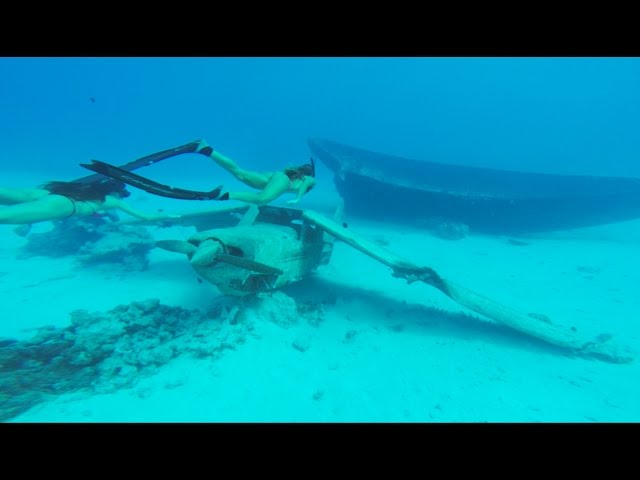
x=306 y=184
x=120 y=205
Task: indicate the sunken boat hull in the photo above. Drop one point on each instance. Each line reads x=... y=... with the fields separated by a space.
x=392 y=188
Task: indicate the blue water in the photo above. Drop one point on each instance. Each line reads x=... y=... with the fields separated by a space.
x=549 y=115
x=569 y=115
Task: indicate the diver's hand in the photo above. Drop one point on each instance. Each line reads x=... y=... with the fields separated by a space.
x=156 y=218
x=164 y=221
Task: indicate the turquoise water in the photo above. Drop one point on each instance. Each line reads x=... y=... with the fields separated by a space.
x=109 y=328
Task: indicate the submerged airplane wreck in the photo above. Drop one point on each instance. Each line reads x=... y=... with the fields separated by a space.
x=246 y=250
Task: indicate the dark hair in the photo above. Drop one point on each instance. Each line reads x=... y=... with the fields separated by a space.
x=94 y=191
x=308 y=170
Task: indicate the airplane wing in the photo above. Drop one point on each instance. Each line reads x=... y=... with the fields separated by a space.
x=202 y=220
x=529 y=325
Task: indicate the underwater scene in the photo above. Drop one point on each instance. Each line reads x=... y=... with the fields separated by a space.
x=319 y=239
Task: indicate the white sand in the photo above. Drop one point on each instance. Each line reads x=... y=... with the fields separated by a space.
x=407 y=361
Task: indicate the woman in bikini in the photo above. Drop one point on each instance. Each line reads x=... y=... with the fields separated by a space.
x=297 y=180
x=56 y=200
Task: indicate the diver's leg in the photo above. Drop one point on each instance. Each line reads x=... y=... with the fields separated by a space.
x=248 y=177
x=277 y=185
x=49 y=208
x=11 y=196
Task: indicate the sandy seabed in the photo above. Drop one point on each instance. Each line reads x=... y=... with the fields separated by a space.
x=385 y=351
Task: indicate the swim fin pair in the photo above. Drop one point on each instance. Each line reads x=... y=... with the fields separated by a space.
x=150 y=186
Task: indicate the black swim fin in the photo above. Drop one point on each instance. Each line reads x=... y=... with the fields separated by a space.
x=147 y=185
x=190 y=147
